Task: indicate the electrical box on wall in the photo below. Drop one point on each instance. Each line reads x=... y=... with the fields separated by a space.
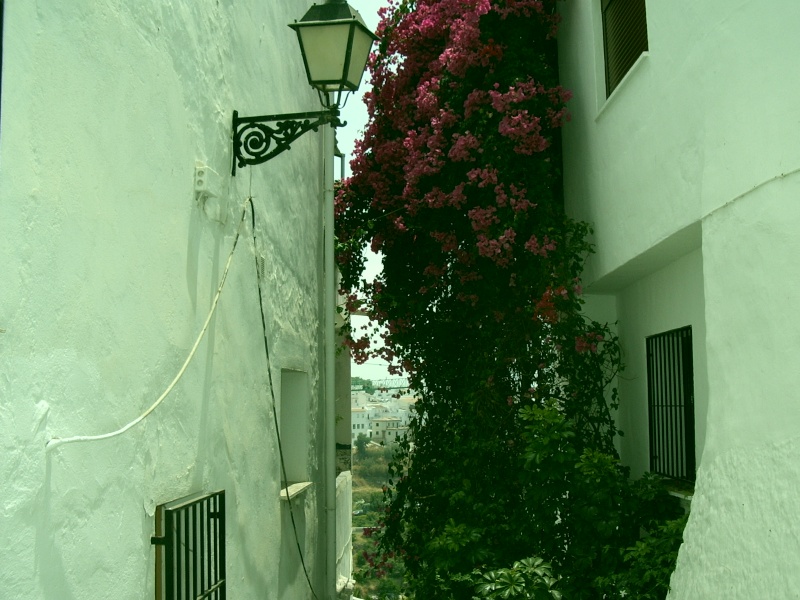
x=206 y=182
x=207 y=192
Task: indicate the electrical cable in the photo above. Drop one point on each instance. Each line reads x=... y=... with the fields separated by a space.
x=272 y=396
x=55 y=442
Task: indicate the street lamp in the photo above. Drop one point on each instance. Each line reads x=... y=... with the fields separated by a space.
x=335 y=44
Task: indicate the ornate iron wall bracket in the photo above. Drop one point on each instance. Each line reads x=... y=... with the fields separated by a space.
x=258 y=139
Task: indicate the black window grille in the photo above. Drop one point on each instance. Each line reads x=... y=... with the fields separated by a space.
x=624 y=37
x=670 y=394
x=190 y=548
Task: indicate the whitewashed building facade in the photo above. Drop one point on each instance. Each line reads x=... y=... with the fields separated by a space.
x=684 y=155
x=118 y=215
x=360 y=422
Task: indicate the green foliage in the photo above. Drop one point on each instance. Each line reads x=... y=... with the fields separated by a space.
x=389 y=586
x=588 y=512
x=648 y=565
x=361 y=445
x=527 y=579
x=366 y=384
x=375 y=578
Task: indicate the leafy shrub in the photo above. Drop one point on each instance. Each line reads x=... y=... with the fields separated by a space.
x=647 y=565
x=527 y=579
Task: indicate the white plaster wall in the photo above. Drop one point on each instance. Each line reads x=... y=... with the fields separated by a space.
x=752 y=287
x=697 y=148
x=743 y=539
x=705 y=115
x=344 y=534
x=344 y=428
x=108 y=270
x=667 y=299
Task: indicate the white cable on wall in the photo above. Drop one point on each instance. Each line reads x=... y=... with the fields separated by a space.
x=55 y=442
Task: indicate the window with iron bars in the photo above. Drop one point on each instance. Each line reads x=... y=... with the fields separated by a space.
x=624 y=37
x=670 y=399
x=190 y=548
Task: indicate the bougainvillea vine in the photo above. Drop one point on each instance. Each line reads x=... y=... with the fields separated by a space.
x=457 y=182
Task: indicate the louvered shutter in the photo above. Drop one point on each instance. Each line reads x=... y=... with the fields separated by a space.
x=625 y=37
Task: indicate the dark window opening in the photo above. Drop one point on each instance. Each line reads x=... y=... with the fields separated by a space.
x=295 y=426
x=670 y=399
x=624 y=37
x=190 y=548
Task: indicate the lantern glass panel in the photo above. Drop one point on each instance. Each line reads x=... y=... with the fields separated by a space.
x=325 y=49
x=362 y=44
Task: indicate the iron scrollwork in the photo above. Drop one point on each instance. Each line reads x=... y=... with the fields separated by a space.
x=258 y=139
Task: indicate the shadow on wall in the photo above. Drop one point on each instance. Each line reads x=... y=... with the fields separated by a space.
x=49 y=565
x=290 y=575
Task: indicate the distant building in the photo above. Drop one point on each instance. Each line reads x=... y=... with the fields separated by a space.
x=360 y=398
x=394 y=434
x=360 y=422
x=386 y=429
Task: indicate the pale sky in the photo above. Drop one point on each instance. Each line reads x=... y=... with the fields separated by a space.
x=355 y=114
